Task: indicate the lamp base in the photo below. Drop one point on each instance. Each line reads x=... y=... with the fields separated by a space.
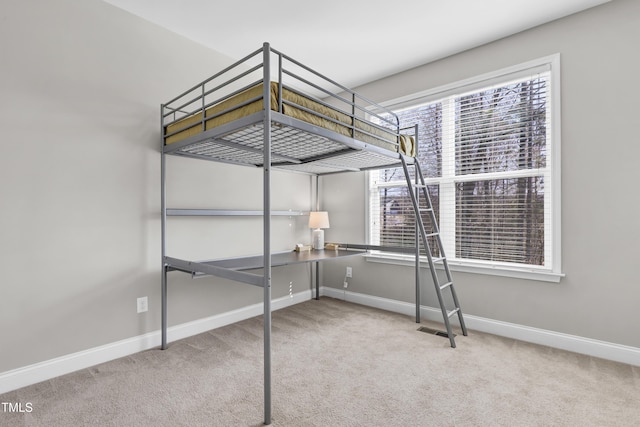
x=318 y=239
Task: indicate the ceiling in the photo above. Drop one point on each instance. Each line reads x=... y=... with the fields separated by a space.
x=352 y=42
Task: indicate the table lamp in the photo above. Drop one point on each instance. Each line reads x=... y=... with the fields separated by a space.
x=318 y=221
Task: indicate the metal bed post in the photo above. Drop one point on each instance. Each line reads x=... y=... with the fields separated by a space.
x=317 y=179
x=267 y=231
x=311 y=265
x=417 y=237
x=417 y=231
x=163 y=227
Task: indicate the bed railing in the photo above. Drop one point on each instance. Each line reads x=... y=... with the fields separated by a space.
x=289 y=74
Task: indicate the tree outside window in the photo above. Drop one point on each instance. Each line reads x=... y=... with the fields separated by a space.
x=486 y=156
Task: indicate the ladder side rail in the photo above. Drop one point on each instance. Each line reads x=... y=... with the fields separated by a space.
x=434 y=222
x=457 y=304
x=427 y=247
x=445 y=262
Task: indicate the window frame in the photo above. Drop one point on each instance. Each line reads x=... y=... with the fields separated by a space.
x=552 y=273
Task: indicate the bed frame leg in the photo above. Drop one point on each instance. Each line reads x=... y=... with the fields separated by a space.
x=163 y=346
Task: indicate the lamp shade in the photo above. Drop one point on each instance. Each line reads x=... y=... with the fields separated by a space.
x=318 y=220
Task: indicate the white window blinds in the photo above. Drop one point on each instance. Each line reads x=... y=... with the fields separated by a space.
x=500 y=165
x=486 y=151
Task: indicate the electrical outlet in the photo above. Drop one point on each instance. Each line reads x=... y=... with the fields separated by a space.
x=143 y=304
x=349 y=272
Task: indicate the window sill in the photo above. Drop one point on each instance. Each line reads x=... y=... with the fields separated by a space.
x=471 y=267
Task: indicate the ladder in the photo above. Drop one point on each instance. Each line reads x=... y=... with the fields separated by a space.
x=419 y=189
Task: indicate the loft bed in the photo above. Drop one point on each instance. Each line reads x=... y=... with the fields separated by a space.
x=270 y=111
x=306 y=135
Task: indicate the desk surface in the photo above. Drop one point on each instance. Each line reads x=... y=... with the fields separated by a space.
x=282 y=258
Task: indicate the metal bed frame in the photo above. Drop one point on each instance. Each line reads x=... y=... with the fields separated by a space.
x=269 y=139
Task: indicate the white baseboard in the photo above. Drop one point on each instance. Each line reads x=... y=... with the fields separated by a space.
x=32 y=374
x=576 y=344
x=21 y=377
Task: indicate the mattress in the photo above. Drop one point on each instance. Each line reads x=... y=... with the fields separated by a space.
x=305 y=109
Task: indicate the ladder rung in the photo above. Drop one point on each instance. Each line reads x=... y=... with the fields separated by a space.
x=446 y=285
x=420 y=183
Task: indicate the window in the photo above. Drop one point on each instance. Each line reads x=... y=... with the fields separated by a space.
x=489 y=150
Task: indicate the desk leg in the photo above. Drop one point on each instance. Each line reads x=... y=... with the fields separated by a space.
x=317 y=280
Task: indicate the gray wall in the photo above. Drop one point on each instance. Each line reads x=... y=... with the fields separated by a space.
x=81 y=85
x=599 y=296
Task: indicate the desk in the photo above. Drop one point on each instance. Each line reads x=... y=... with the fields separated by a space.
x=285 y=258
x=282 y=258
x=237 y=269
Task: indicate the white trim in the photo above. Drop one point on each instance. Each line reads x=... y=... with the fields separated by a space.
x=22 y=377
x=552 y=269
x=555 y=168
x=478 y=267
x=42 y=371
x=595 y=348
x=471 y=84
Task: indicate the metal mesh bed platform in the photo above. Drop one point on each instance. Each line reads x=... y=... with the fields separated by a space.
x=293 y=147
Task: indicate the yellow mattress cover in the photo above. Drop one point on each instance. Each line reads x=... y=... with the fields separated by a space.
x=387 y=139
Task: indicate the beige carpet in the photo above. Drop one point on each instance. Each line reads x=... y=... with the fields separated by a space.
x=339 y=364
